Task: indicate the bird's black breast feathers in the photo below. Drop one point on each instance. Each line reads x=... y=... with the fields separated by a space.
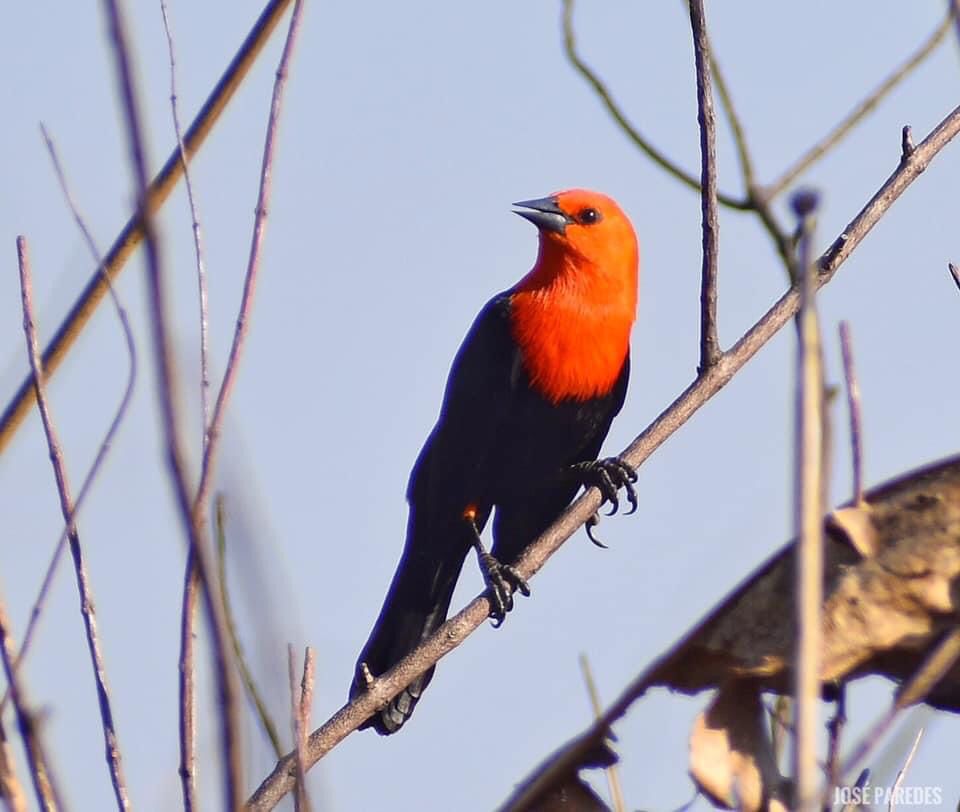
x=497 y=438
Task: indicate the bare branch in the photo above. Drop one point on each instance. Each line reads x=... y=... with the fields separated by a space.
x=661 y=160
x=132 y=233
x=197 y=240
x=853 y=406
x=118 y=417
x=954 y=270
x=110 y=738
x=186 y=685
x=246 y=675
x=613 y=774
x=253 y=264
x=300 y=703
x=709 y=341
x=166 y=381
x=902 y=773
x=460 y=626
x=861 y=111
x=33 y=747
x=809 y=515
x=11 y=793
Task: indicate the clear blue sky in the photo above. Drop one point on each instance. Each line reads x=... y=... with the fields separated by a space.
x=408 y=130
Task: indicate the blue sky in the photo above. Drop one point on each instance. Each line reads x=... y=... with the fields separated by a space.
x=408 y=130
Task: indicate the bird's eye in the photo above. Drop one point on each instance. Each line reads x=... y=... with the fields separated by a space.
x=588 y=217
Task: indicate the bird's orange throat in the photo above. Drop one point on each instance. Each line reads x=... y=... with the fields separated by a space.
x=572 y=322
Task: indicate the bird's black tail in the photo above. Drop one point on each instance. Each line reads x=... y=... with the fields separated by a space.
x=415 y=607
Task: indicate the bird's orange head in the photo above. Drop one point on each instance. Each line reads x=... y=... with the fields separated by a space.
x=572 y=314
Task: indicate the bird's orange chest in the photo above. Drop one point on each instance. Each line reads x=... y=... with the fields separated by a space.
x=571 y=349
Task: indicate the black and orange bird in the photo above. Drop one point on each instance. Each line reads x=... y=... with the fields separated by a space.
x=528 y=402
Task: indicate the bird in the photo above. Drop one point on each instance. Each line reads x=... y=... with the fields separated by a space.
x=529 y=400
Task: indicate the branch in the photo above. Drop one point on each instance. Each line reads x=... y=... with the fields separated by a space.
x=661 y=160
x=36 y=761
x=853 y=406
x=166 y=380
x=709 y=341
x=810 y=498
x=132 y=233
x=197 y=241
x=860 y=112
x=460 y=626
x=114 y=427
x=67 y=508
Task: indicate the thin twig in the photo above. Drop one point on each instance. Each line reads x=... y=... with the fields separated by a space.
x=253 y=263
x=736 y=126
x=110 y=739
x=709 y=341
x=861 y=111
x=834 y=731
x=197 y=237
x=186 y=684
x=132 y=233
x=452 y=633
x=11 y=792
x=166 y=381
x=954 y=270
x=617 y=800
x=809 y=516
x=914 y=690
x=43 y=787
x=903 y=770
x=661 y=160
x=853 y=406
x=246 y=675
x=118 y=416
x=300 y=703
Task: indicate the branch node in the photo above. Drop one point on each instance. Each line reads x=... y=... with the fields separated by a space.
x=906 y=143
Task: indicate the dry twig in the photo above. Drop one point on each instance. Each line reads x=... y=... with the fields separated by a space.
x=613 y=774
x=166 y=381
x=67 y=508
x=709 y=341
x=300 y=703
x=810 y=499
x=132 y=233
x=853 y=406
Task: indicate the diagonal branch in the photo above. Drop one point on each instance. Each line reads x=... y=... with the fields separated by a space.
x=460 y=626
x=132 y=234
x=67 y=508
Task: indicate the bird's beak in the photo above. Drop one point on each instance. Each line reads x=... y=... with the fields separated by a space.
x=545 y=214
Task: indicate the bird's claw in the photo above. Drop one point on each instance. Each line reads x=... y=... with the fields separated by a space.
x=501 y=580
x=592 y=522
x=608 y=476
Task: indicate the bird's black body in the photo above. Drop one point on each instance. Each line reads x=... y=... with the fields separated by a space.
x=499 y=444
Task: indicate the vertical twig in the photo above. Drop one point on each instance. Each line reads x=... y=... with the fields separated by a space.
x=110 y=738
x=300 y=704
x=903 y=770
x=853 y=406
x=613 y=774
x=709 y=342
x=253 y=264
x=834 y=730
x=120 y=413
x=246 y=675
x=809 y=501
x=166 y=381
x=197 y=238
x=42 y=785
x=11 y=793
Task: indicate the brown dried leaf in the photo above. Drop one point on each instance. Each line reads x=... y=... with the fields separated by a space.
x=731 y=756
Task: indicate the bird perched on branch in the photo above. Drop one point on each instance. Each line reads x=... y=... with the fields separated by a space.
x=529 y=400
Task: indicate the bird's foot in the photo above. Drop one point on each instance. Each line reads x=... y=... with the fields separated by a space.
x=608 y=475
x=502 y=580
